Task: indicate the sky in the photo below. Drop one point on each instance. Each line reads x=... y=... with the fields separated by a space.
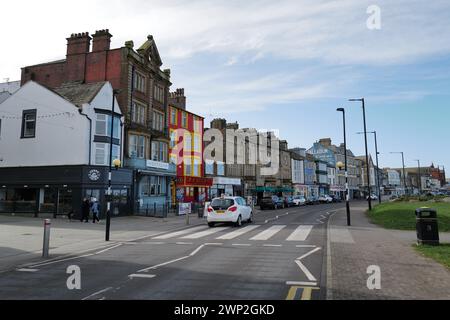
x=283 y=65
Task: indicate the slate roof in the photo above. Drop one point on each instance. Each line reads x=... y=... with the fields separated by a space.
x=79 y=93
x=4 y=95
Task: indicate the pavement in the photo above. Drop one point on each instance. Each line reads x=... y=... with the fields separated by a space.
x=405 y=274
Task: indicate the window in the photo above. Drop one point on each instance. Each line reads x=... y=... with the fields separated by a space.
x=158 y=121
x=102 y=153
x=153 y=186
x=173 y=116
x=173 y=139
x=187 y=166
x=197 y=124
x=197 y=145
x=159 y=93
x=187 y=145
x=136 y=146
x=184 y=119
x=196 y=167
x=159 y=151
x=138 y=113
x=209 y=167
x=28 y=124
x=220 y=169
x=103 y=126
x=139 y=82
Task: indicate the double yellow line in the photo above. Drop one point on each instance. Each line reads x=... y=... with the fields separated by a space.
x=306 y=294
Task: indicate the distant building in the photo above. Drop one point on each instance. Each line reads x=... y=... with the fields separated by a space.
x=7 y=89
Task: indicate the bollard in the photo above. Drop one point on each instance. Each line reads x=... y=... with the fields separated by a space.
x=46 y=245
x=187 y=218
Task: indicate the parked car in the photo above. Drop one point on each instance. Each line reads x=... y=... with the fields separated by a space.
x=312 y=200
x=272 y=202
x=229 y=209
x=325 y=199
x=299 y=201
x=288 y=202
x=336 y=199
x=372 y=197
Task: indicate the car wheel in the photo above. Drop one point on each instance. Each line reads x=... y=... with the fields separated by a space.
x=239 y=221
x=211 y=224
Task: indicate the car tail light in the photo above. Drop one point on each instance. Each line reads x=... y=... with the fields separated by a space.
x=232 y=209
x=210 y=209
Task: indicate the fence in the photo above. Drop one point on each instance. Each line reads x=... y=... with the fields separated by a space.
x=166 y=209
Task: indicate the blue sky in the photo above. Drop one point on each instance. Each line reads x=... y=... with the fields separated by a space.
x=283 y=65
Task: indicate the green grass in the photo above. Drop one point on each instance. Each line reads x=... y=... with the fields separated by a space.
x=401 y=215
x=439 y=253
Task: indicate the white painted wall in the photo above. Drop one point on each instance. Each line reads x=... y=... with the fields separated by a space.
x=59 y=140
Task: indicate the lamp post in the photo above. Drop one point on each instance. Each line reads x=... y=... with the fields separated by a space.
x=340 y=166
x=404 y=174
x=116 y=164
x=378 y=167
x=419 y=177
x=367 y=153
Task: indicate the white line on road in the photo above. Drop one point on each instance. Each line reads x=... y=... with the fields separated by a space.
x=237 y=233
x=184 y=243
x=301 y=283
x=306 y=271
x=300 y=234
x=308 y=254
x=135 y=275
x=306 y=246
x=241 y=245
x=213 y=244
x=193 y=253
x=273 y=245
x=205 y=233
x=179 y=233
x=97 y=293
x=269 y=233
x=163 y=264
x=110 y=248
x=27 y=270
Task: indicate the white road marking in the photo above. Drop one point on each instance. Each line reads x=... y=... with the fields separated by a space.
x=305 y=246
x=339 y=235
x=237 y=233
x=135 y=275
x=273 y=245
x=213 y=244
x=27 y=270
x=110 y=248
x=300 y=234
x=308 y=254
x=241 y=245
x=163 y=264
x=193 y=253
x=306 y=271
x=184 y=243
x=269 y=233
x=205 y=233
x=301 y=283
x=97 y=293
x=179 y=233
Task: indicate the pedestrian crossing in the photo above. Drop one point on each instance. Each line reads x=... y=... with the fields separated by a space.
x=250 y=232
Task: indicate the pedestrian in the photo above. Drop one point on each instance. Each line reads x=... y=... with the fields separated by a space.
x=85 y=210
x=95 y=210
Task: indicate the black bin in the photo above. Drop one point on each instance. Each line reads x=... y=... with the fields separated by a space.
x=427 y=226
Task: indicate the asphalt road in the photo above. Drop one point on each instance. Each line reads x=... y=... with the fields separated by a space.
x=282 y=255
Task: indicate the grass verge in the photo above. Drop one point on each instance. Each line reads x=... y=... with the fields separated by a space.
x=440 y=253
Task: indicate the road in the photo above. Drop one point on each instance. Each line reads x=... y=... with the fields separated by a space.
x=282 y=255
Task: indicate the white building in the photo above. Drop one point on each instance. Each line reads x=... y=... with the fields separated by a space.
x=54 y=147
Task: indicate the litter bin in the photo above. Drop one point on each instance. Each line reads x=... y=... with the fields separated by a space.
x=427 y=226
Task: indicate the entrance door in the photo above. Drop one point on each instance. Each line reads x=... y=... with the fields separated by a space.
x=65 y=198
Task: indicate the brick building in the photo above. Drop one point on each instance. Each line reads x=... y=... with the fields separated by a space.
x=143 y=98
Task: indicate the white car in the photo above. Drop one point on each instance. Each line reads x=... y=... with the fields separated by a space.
x=372 y=197
x=229 y=209
x=326 y=199
x=299 y=201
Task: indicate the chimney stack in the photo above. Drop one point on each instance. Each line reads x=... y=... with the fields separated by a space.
x=78 y=45
x=102 y=40
x=178 y=99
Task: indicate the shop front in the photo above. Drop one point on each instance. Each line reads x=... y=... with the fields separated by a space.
x=192 y=189
x=60 y=190
x=227 y=186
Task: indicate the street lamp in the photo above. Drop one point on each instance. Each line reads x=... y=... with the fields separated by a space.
x=340 y=165
x=367 y=153
x=404 y=175
x=419 y=179
x=378 y=168
x=116 y=164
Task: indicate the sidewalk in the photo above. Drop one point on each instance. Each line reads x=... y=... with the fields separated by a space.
x=21 y=237
x=405 y=274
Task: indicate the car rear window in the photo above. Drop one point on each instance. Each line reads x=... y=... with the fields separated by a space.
x=222 y=204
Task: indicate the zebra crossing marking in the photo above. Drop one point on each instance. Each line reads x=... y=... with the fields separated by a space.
x=237 y=233
x=178 y=233
x=300 y=234
x=268 y=233
x=205 y=233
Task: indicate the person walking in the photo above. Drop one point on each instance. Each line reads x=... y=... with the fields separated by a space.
x=95 y=210
x=85 y=210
